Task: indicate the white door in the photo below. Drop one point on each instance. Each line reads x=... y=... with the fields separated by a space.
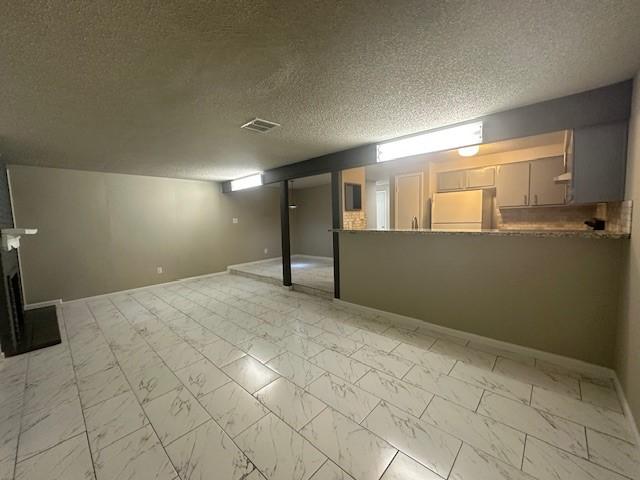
x=382 y=210
x=408 y=199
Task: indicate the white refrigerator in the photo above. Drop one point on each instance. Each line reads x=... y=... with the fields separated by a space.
x=466 y=210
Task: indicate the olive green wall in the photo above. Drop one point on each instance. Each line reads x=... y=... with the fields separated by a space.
x=628 y=345
x=560 y=295
x=101 y=232
x=310 y=222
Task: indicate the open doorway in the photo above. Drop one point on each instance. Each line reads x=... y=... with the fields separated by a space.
x=310 y=237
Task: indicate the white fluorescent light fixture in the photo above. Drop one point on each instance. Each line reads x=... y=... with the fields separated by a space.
x=444 y=139
x=251 y=181
x=469 y=151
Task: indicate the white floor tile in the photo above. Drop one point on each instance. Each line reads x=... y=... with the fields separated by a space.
x=174 y=414
x=433 y=448
x=340 y=365
x=233 y=408
x=401 y=394
x=473 y=464
x=301 y=346
x=464 y=354
x=69 y=460
x=179 y=356
x=338 y=343
x=614 y=454
x=554 y=382
x=353 y=448
x=330 y=471
x=261 y=349
x=480 y=432
x=45 y=428
x=410 y=337
x=405 y=468
x=546 y=462
x=297 y=369
x=202 y=377
x=600 y=396
x=379 y=342
x=348 y=399
x=250 y=373
x=290 y=403
x=102 y=386
x=207 y=453
x=279 y=451
x=151 y=382
x=452 y=389
x=493 y=382
x=597 y=418
x=113 y=419
x=386 y=362
x=559 y=432
x=137 y=456
x=429 y=360
x=221 y=353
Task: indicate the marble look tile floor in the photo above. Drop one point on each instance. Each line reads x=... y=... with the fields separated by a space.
x=229 y=377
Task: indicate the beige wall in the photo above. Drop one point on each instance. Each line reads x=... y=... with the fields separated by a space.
x=628 y=344
x=102 y=232
x=560 y=295
x=311 y=222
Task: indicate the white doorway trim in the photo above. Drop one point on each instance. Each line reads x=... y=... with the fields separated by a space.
x=420 y=196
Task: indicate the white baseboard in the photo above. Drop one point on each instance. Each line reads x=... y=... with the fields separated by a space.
x=627 y=409
x=315 y=257
x=146 y=287
x=264 y=260
x=47 y=303
x=571 y=363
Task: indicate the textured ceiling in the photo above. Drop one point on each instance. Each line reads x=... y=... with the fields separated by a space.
x=160 y=88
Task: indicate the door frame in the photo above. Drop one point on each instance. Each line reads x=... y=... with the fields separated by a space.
x=387 y=207
x=420 y=196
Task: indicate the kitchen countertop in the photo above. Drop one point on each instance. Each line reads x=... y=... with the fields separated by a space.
x=600 y=234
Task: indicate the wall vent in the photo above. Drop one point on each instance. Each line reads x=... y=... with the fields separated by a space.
x=259 y=125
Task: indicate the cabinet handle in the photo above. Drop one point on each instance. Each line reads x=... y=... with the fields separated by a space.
x=525 y=199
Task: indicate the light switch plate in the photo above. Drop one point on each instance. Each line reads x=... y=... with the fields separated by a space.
x=235 y=220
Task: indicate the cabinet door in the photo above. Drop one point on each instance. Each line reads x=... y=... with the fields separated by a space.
x=512 y=185
x=543 y=190
x=450 y=181
x=481 y=177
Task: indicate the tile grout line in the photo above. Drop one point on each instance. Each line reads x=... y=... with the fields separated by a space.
x=22 y=409
x=197 y=400
x=75 y=375
x=455 y=459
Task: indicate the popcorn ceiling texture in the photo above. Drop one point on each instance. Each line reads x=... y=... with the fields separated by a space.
x=161 y=88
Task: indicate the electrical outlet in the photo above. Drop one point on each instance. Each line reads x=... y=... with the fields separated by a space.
x=159 y=270
x=266 y=251
x=235 y=220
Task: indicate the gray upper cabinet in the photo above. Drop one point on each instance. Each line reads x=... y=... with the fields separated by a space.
x=481 y=177
x=599 y=163
x=543 y=190
x=451 y=180
x=512 y=185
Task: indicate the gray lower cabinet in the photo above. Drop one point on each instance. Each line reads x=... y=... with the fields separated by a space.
x=512 y=185
x=599 y=163
x=543 y=190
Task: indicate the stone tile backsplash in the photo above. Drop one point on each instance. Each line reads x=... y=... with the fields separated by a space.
x=616 y=214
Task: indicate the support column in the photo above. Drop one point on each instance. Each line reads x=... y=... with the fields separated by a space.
x=284 y=225
x=336 y=216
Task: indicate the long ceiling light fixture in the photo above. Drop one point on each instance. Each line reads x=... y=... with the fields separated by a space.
x=250 y=181
x=436 y=141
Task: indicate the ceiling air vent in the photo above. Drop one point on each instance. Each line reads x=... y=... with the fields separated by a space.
x=259 y=125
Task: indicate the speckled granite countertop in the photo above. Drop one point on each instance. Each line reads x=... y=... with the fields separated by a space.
x=601 y=234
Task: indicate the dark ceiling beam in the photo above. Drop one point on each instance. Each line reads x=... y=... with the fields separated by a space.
x=594 y=107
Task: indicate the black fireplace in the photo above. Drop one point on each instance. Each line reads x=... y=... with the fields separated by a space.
x=20 y=330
